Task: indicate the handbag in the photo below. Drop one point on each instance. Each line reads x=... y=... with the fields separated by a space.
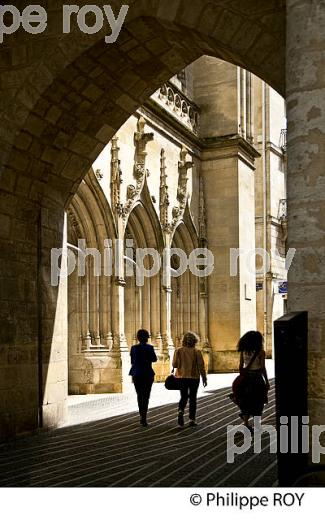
x=175 y=383
x=172 y=382
x=239 y=382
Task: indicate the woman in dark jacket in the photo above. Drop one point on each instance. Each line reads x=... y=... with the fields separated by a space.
x=253 y=395
x=142 y=357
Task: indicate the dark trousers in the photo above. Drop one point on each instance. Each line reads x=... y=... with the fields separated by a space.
x=143 y=387
x=189 y=388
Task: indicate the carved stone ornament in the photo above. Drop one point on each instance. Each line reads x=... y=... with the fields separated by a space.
x=183 y=167
x=131 y=192
x=176 y=212
x=141 y=139
x=116 y=176
x=163 y=194
x=182 y=195
x=74 y=222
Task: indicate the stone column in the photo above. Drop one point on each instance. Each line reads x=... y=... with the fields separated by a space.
x=84 y=289
x=107 y=311
x=180 y=307
x=146 y=304
x=120 y=343
x=186 y=305
x=93 y=303
x=166 y=305
x=249 y=108
x=135 y=306
x=155 y=312
x=306 y=182
x=166 y=308
x=204 y=330
x=74 y=331
x=242 y=94
x=194 y=304
x=162 y=366
x=104 y=306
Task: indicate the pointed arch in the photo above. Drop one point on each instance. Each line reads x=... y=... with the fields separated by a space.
x=144 y=211
x=90 y=295
x=185 y=288
x=142 y=303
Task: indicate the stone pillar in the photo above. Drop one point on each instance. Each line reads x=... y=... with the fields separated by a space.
x=186 y=294
x=242 y=95
x=306 y=182
x=194 y=303
x=106 y=311
x=155 y=312
x=166 y=303
x=228 y=173
x=93 y=303
x=180 y=308
x=146 y=304
x=204 y=322
x=103 y=301
x=53 y=360
x=166 y=308
x=120 y=343
x=223 y=91
x=162 y=366
x=19 y=314
x=84 y=291
x=75 y=329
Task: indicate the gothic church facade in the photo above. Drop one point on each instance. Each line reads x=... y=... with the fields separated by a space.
x=201 y=165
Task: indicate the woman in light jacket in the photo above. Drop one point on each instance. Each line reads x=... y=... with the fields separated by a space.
x=189 y=365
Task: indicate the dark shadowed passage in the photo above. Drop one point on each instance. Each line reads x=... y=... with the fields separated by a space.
x=117 y=452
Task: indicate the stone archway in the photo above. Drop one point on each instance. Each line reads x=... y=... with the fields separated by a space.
x=74 y=92
x=61 y=102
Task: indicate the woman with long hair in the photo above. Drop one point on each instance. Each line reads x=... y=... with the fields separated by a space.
x=189 y=365
x=253 y=394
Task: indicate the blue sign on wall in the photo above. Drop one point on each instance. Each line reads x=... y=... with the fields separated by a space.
x=283 y=288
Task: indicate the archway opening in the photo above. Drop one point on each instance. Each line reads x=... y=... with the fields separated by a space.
x=66 y=104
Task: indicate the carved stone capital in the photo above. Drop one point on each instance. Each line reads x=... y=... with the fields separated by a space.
x=120 y=281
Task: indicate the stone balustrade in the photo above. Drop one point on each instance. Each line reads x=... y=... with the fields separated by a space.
x=176 y=103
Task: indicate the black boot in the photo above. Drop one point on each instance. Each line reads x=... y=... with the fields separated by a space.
x=180 y=418
x=143 y=420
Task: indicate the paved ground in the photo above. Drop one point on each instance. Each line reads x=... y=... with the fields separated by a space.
x=111 y=449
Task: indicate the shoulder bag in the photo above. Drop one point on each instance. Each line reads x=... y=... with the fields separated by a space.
x=172 y=382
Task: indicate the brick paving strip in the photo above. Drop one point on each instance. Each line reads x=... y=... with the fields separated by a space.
x=112 y=450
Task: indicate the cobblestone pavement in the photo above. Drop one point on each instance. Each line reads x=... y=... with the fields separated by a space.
x=116 y=451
